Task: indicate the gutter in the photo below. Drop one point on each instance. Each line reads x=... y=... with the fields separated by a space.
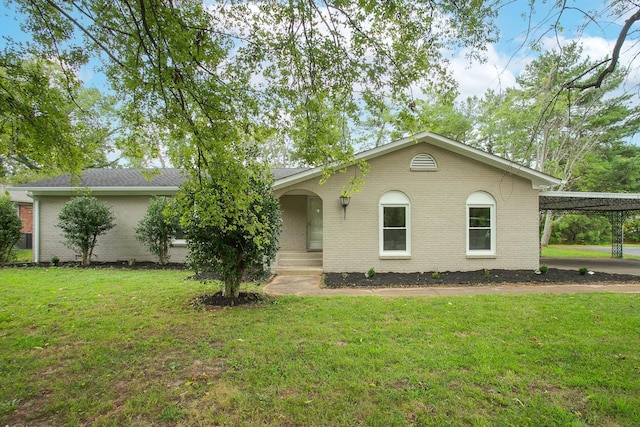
x=101 y=191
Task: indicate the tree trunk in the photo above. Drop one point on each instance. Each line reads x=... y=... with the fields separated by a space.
x=548 y=225
x=231 y=287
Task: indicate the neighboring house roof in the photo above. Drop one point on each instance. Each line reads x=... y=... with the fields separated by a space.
x=16 y=196
x=538 y=180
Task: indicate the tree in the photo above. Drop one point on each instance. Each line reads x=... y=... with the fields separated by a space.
x=218 y=80
x=544 y=126
x=47 y=121
x=233 y=238
x=158 y=227
x=615 y=169
x=581 y=230
x=10 y=226
x=82 y=219
x=203 y=72
x=437 y=114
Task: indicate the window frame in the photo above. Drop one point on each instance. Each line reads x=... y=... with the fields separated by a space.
x=481 y=199
x=395 y=199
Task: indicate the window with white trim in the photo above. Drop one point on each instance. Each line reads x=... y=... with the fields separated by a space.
x=395 y=224
x=481 y=224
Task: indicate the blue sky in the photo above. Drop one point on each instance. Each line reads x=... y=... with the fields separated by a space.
x=505 y=59
x=508 y=57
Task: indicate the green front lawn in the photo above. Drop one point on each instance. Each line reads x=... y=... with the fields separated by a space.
x=577 y=251
x=113 y=347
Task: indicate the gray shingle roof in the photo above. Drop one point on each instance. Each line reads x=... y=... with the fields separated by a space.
x=114 y=178
x=279 y=173
x=102 y=178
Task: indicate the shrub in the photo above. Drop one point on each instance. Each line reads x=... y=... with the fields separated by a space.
x=581 y=230
x=158 y=227
x=543 y=268
x=583 y=271
x=10 y=226
x=369 y=274
x=82 y=219
x=632 y=230
x=55 y=260
x=231 y=221
x=435 y=275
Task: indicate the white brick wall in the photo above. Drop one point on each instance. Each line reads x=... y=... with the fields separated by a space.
x=117 y=244
x=438 y=211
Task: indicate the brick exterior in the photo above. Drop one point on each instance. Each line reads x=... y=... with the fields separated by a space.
x=25 y=212
x=118 y=244
x=438 y=215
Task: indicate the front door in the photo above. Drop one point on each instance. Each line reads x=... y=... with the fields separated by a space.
x=314 y=223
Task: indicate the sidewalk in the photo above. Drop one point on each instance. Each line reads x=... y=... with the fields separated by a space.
x=310 y=285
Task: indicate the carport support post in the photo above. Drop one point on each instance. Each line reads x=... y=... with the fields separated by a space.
x=617 y=233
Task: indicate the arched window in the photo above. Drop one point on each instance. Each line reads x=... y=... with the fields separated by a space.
x=395 y=224
x=481 y=224
x=423 y=162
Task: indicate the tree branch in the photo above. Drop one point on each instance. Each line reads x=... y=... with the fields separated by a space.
x=85 y=31
x=613 y=61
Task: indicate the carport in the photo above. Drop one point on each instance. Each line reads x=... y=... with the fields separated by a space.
x=617 y=207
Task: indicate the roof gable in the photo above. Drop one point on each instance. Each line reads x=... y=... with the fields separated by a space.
x=538 y=180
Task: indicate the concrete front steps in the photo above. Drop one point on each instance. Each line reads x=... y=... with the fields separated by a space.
x=299 y=264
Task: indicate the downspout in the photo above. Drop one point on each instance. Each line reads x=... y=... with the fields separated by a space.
x=36 y=228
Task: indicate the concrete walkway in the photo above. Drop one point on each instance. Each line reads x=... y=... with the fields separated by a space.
x=310 y=285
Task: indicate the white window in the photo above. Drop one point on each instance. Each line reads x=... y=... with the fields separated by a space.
x=395 y=224
x=481 y=224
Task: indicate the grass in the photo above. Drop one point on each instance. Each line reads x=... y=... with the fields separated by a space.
x=576 y=251
x=113 y=347
x=22 y=255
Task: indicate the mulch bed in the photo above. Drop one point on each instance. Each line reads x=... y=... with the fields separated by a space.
x=211 y=301
x=143 y=265
x=471 y=278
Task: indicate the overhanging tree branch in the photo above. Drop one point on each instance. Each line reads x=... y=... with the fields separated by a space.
x=613 y=61
x=85 y=31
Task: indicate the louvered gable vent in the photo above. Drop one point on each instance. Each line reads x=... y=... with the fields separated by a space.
x=423 y=162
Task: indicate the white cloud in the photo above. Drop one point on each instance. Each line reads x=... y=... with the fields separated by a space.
x=500 y=70
x=497 y=73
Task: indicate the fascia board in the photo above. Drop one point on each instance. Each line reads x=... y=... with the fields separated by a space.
x=591 y=195
x=100 y=191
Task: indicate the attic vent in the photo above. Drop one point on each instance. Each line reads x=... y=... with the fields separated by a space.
x=423 y=162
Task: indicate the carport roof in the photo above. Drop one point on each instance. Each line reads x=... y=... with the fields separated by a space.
x=589 y=202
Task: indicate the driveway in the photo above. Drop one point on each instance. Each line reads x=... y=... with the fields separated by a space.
x=604 y=265
x=627 y=250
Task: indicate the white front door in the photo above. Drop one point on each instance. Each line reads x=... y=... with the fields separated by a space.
x=314 y=223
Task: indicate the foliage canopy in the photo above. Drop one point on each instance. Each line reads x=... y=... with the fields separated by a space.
x=82 y=219
x=10 y=226
x=234 y=238
x=158 y=227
